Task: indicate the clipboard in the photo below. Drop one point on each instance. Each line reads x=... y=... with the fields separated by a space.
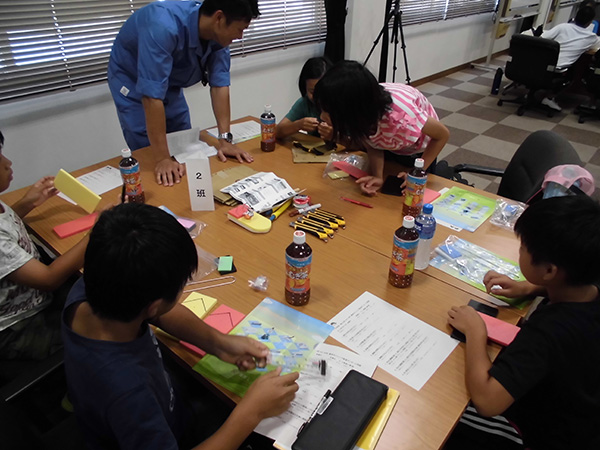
x=342 y=416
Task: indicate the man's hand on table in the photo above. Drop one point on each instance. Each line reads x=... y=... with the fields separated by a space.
x=168 y=172
x=227 y=149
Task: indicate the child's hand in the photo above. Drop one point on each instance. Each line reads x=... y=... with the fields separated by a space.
x=271 y=394
x=40 y=192
x=465 y=319
x=498 y=284
x=309 y=124
x=370 y=185
x=403 y=175
x=244 y=352
x=325 y=131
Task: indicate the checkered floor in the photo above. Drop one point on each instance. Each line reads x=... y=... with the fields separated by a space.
x=483 y=133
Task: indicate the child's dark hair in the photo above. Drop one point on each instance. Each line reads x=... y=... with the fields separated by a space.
x=564 y=231
x=1 y=140
x=245 y=10
x=137 y=254
x=313 y=69
x=585 y=16
x=353 y=98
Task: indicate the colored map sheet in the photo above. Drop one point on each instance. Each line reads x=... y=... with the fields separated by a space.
x=463 y=209
x=290 y=335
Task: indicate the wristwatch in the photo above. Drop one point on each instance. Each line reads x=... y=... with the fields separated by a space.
x=226 y=136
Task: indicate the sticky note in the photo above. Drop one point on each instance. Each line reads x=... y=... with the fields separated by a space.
x=76 y=191
x=430 y=195
x=199 y=304
x=223 y=319
x=225 y=264
x=500 y=332
x=75 y=226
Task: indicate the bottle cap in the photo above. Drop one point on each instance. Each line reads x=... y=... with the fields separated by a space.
x=126 y=153
x=408 y=222
x=267 y=108
x=419 y=163
x=427 y=208
x=299 y=237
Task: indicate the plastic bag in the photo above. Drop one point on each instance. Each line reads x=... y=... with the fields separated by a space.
x=506 y=213
x=356 y=160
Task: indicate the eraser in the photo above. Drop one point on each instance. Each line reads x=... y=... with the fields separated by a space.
x=187 y=224
x=75 y=226
x=239 y=211
x=225 y=263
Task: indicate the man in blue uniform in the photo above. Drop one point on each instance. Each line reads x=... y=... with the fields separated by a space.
x=162 y=48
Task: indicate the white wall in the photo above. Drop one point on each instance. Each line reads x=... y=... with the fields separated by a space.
x=75 y=129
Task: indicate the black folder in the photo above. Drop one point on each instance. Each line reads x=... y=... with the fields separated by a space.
x=338 y=427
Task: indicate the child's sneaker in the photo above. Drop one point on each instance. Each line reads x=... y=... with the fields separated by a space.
x=551 y=104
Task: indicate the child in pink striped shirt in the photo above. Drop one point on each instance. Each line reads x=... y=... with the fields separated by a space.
x=376 y=117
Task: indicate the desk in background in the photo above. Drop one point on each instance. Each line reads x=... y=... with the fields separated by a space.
x=356 y=260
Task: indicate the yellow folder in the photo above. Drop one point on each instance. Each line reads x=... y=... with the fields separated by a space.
x=76 y=191
x=371 y=435
x=199 y=304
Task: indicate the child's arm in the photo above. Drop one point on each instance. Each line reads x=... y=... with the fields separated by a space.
x=371 y=184
x=439 y=135
x=509 y=287
x=286 y=127
x=488 y=395
x=35 y=196
x=48 y=278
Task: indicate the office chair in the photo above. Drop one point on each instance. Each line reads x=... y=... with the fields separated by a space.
x=532 y=64
x=524 y=175
x=591 y=80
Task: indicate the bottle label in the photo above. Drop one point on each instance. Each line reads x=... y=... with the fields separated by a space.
x=426 y=231
x=267 y=128
x=414 y=192
x=297 y=274
x=403 y=256
x=132 y=179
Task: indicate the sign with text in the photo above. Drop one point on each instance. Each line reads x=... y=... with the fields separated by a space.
x=200 y=184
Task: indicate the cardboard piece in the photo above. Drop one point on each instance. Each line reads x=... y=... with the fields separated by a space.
x=75 y=226
x=76 y=191
x=225 y=177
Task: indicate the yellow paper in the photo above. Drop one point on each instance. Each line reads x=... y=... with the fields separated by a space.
x=199 y=304
x=76 y=191
x=371 y=435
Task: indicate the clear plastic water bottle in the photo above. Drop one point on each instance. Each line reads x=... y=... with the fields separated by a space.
x=425 y=225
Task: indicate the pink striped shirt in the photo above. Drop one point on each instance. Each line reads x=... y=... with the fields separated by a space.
x=400 y=130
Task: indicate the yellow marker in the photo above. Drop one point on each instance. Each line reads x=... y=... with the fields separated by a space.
x=76 y=191
x=281 y=209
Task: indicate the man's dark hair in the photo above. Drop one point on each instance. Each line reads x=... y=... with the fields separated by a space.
x=137 y=254
x=245 y=10
x=564 y=231
x=353 y=98
x=1 y=140
x=313 y=69
x=585 y=16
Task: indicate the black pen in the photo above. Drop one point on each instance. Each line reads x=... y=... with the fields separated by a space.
x=321 y=407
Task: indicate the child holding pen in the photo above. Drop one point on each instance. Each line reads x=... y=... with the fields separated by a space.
x=304 y=115
x=375 y=117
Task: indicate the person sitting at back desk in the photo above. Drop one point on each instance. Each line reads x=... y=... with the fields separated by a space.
x=575 y=39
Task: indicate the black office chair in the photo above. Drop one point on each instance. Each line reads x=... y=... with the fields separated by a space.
x=533 y=63
x=523 y=177
x=591 y=79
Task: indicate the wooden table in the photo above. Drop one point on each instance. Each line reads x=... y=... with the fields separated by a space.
x=356 y=260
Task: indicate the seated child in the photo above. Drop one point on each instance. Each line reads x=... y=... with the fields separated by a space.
x=546 y=380
x=137 y=263
x=29 y=318
x=377 y=117
x=304 y=115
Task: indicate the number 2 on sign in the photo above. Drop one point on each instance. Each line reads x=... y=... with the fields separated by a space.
x=198 y=176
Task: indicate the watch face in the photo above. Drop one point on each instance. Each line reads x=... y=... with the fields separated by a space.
x=226 y=136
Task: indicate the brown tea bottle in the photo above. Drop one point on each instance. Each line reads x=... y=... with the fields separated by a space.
x=267 y=130
x=402 y=266
x=298 y=258
x=130 y=173
x=415 y=189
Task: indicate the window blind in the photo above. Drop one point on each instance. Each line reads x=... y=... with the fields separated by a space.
x=53 y=45
x=461 y=8
x=419 y=11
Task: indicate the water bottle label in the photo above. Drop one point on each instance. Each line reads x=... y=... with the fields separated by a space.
x=132 y=179
x=425 y=232
x=267 y=128
x=403 y=256
x=297 y=274
x=414 y=192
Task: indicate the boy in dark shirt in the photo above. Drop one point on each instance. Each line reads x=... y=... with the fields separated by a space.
x=137 y=262
x=546 y=380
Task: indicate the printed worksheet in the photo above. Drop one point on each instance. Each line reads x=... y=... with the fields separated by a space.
x=242 y=131
x=339 y=361
x=260 y=191
x=405 y=346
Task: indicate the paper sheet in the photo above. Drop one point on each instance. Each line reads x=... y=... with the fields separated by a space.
x=99 y=181
x=186 y=144
x=260 y=191
x=284 y=428
x=242 y=131
x=405 y=346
